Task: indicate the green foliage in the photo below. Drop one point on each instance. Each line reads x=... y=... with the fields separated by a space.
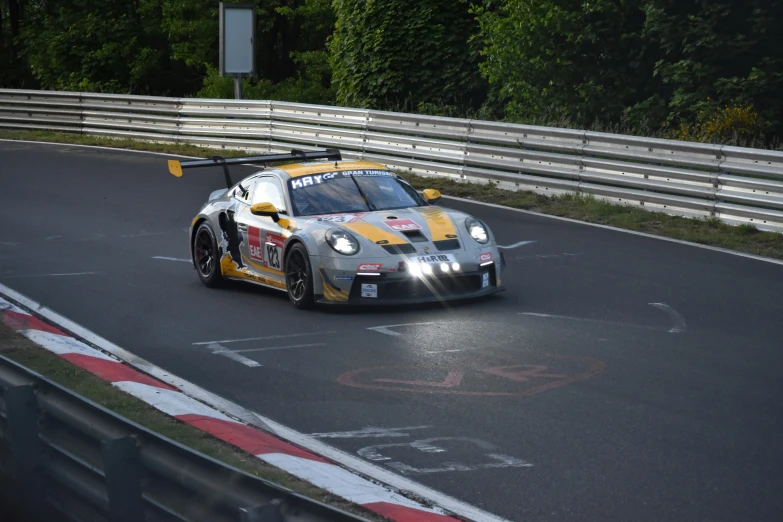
x=718 y=54
x=584 y=60
x=94 y=45
x=391 y=52
x=309 y=86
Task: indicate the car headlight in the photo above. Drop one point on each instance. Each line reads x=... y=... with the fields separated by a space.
x=477 y=230
x=342 y=242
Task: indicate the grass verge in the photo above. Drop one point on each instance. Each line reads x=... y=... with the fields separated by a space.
x=30 y=355
x=743 y=238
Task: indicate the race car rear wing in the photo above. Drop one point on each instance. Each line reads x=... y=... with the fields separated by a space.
x=175 y=167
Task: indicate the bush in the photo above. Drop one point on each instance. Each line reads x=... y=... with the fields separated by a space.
x=734 y=125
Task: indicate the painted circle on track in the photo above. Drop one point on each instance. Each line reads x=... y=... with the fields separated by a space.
x=543 y=373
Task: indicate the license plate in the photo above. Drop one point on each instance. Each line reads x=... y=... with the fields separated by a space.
x=434 y=259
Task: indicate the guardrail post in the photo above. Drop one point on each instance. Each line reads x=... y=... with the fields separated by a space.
x=26 y=448
x=269 y=513
x=122 y=469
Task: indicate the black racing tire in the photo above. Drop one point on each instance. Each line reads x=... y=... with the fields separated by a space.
x=299 y=277
x=206 y=255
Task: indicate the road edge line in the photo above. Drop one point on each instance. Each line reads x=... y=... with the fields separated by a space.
x=377 y=476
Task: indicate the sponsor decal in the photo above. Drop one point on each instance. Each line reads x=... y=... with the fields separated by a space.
x=401 y=225
x=392 y=269
x=340 y=277
x=317 y=179
x=254 y=242
x=336 y=218
x=486 y=256
x=369 y=267
x=435 y=258
x=273 y=251
x=370 y=290
x=485 y=280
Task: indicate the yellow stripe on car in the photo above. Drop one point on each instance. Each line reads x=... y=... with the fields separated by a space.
x=374 y=234
x=295 y=170
x=440 y=224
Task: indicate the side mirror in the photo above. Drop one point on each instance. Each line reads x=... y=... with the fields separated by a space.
x=431 y=196
x=265 y=210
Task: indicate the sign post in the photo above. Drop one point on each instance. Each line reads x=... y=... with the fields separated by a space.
x=237 y=43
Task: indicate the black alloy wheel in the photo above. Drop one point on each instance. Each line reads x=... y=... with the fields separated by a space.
x=206 y=255
x=299 y=277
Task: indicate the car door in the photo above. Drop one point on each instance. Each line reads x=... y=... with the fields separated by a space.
x=263 y=249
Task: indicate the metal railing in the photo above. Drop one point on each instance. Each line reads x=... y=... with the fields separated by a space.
x=66 y=458
x=734 y=184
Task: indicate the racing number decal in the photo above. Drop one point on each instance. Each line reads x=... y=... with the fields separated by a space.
x=273 y=251
x=266 y=248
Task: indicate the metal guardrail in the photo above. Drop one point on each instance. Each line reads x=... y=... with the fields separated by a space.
x=64 y=457
x=734 y=184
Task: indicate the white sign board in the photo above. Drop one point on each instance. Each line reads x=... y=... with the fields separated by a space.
x=237 y=39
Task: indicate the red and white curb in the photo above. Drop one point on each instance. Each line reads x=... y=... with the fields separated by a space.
x=174 y=401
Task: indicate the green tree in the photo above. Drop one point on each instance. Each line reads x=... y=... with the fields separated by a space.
x=95 y=45
x=576 y=60
x=386 y=53
x=715 y=54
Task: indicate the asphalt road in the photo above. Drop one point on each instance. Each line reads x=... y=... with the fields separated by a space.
x=570 y=397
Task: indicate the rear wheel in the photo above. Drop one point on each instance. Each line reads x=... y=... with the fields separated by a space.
x=299 y=277
x=207 y=256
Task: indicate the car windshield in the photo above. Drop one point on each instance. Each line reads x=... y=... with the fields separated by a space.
x=351 y=191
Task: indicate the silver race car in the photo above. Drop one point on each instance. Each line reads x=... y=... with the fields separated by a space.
x=338 y=232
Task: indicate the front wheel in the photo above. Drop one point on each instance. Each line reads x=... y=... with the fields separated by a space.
x=299 y=277
x=206 y=255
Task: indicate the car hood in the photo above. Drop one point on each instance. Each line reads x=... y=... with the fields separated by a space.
x=401 y=230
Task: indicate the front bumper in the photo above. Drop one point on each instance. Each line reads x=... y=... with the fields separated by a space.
x=403 y=288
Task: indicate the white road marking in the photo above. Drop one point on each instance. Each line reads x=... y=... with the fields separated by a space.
x=54 y=275
x=496 y=460
x=546 y=256
x=385 y=328
x=370 y=432
x=226 y=341
x=9 y=244
x=218 y=349
x=266 y=348
x=515 y=245
x=164 y=258
x=678 y=322
x=586 y=320
x=144 y=234
x=327 y=451
x=51 y=237
x=447 y=351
